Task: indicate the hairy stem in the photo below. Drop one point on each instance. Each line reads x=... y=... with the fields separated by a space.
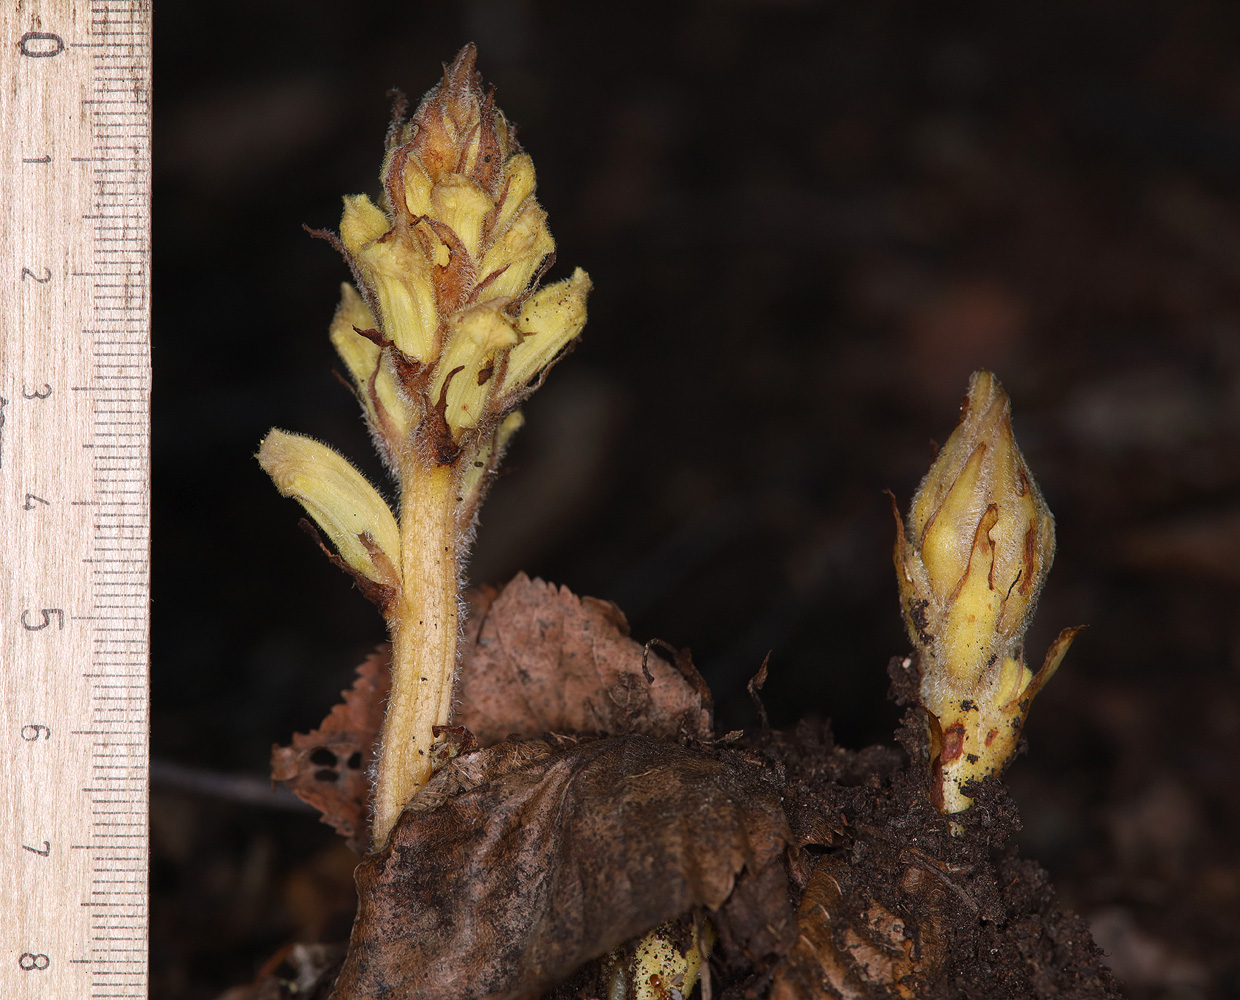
x=424 y=629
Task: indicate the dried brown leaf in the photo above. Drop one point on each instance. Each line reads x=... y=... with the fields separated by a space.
x=545 y=660
x=327 y=767
x=517 y=864
x=535 y=659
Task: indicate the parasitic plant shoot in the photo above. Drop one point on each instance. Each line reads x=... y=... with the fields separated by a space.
x=444 y=332
x=971 y=561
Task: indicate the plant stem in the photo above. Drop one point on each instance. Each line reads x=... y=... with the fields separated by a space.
x=424 y=637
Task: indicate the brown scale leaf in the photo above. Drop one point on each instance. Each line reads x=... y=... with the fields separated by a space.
x=519 y=863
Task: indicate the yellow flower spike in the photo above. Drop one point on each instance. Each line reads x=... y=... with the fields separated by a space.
x=447 y=265
x=971 y=562
x=551 y=318
x=339 y=499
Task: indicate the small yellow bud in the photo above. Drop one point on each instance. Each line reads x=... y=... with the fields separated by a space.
x=519 y=185
x=479 y=337
x=350 y=511
x=474 y=478
x=362 y=222
x=971 y=561
x=462 y=206
x=418 y=188
x=360 y=354
x=516 y=256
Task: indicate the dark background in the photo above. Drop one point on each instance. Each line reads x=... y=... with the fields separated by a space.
x=806 y=224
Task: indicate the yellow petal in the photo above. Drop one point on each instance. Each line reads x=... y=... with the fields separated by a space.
x=519 y=173
x=338 y=497
x=397 y=271
x=360 y=354
x=518 y=253
x=552 y=317
x=463 y=206
x=400 y=274
x=476 y=338
x=361 y=222
x=417 y=188
x=363 y=358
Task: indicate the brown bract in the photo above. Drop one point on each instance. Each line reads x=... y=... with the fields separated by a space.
x=518 y=864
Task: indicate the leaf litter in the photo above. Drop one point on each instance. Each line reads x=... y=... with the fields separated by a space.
x=597 y=804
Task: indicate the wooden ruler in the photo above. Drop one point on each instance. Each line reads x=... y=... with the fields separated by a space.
x=74 y=497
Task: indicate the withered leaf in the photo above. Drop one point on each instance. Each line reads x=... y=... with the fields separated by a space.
x=327 y=767
x=519 y=863
x=545 y=660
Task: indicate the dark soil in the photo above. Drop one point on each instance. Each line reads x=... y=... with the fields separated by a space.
x=992 y=914
x=486 y=891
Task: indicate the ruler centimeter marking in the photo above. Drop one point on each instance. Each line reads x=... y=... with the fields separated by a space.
x=75 y=377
